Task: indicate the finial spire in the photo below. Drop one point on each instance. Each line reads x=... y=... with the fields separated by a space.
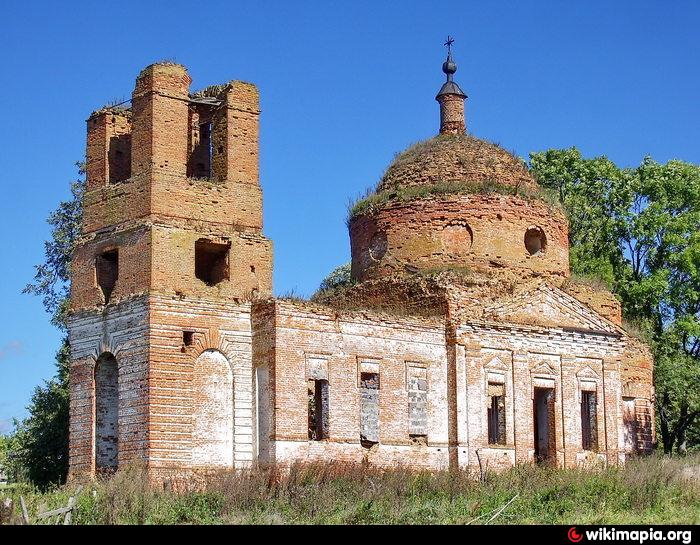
x=448 y=43
x=449 y=67
x=451 y=97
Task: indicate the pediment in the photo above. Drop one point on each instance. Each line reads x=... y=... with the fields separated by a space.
x=543 y=368
x=495 y=364
x=549 y=307
x=587 y=372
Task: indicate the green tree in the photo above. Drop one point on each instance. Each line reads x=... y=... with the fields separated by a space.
x=40 y=442
x=8 y=464
x=594 y=194
x=41 y=439
x=639 y=230
x=52 y=277
x=339 y=277
x=663 y=238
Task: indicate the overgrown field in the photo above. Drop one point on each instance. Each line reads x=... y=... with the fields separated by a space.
x=651 y=490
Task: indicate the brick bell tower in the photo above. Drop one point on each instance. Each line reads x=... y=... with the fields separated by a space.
x=171 y=254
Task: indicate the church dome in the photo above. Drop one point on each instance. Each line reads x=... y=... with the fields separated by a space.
x=457 y=202
x=458 y=159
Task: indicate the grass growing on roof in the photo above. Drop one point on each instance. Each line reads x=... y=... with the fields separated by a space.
x=426 y=147
x=372 y=202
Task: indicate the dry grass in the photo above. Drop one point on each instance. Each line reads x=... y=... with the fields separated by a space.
x=435 y=144
x=595 y=282
x=651 y=490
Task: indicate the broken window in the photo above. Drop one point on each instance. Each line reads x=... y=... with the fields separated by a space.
x=496 y=414
x=535 y=241
x=417 y=378
x=211 y=261
x=589 y=421
x=369 y=404
x=318 y=409
x=544 y=425
x=203 y=166
x=107 y=272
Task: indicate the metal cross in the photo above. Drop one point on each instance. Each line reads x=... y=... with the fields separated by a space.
x=448 y=43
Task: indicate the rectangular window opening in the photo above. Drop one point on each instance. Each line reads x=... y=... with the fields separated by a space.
x=318 y=409
x=417 y=386
x=107 y=272
x=211 y=263
x=199 y=164
x=496 y=413
x=188 y=338
x=629 y=419
x=119 y=158
x=589 y=421
x=369 y=409
x=544 y=425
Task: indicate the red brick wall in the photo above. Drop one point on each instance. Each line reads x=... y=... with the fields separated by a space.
x=155 y=216
x=637 y=376
x=602 y=301
x=426 y=234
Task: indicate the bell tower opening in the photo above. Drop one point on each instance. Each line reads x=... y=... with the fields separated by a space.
x=107 y=272
x=211 y=261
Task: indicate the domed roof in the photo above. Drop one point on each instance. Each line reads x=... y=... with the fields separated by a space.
x=456 y=159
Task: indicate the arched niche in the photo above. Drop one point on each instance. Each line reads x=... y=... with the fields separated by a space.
x=106 y=412
x=212 y=433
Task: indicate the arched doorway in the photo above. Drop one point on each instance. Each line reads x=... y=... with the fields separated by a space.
x=106 y=413
x=212 y=433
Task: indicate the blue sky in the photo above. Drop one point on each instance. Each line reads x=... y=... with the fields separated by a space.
x=344 y=86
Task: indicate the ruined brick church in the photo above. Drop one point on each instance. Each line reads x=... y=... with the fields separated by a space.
x=461 y=341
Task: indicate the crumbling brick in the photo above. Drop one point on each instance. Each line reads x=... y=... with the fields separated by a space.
x=462 y=331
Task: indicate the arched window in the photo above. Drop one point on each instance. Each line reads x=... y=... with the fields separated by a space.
x=212 y=434
x=106 y=413
x=535 y=241
x=457 y=238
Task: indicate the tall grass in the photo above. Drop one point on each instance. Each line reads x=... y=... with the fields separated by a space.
x=651 y=490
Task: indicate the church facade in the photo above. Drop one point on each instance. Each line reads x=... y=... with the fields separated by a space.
x=461 y=341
